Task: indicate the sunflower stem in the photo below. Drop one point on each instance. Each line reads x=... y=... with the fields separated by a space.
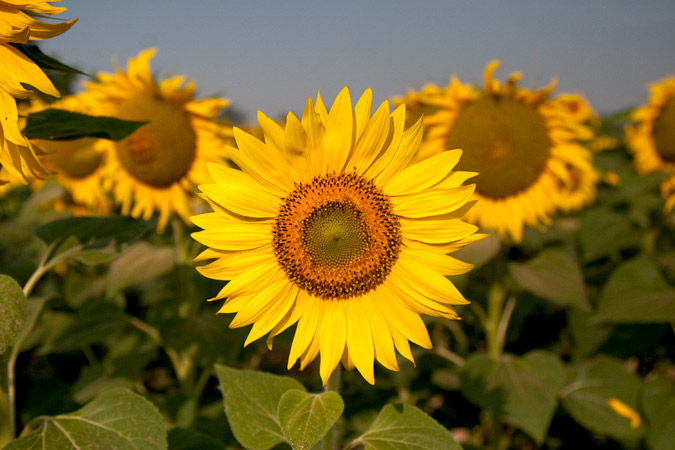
x=331 y=438
x=496 y=297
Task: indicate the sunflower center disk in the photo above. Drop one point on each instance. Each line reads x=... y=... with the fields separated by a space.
x=664 y=131
x=337 y=236
x=162 y=151
x=505 y=141
x=76 y=159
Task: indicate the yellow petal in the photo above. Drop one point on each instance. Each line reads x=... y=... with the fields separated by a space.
x=252 y=280
x=423 y=174
x=362 y=112
x=382 y=340
x=232 y=235
x=274 y=313
x=360 y=339
x=235 y=263
x=332 y=336
x=372 y=139
x=410 y=144
x=428 y=282
x=263 y=163
x=307 y=326
x=434 y=231
x=432 y=202
x=262 y=303
x=339 y=132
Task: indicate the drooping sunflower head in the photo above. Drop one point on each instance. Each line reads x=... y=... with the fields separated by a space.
x=328 y=226
x=526 y=147
x=156 y=167
x=651 y=138
x=77 y=164
x=18 y=159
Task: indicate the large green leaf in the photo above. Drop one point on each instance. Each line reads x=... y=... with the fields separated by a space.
x=118 y=419
x=306 y=418
x=58 y=124
x=554 y=275
x=605 y=233
x=586 y=333
x=658 y=404
x=587 y=398
x=12 y=311
x=251 y=405
x=404 y=427
x=636 y=292
x=521 y=391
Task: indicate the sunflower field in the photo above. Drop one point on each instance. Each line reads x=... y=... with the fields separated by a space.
x=466 y=266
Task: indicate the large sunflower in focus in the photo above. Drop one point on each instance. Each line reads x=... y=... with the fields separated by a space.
x=78 y=164
x=652 y=138
x=156 y=167
x=17 y=156
x=327 y=225
x=525 y=146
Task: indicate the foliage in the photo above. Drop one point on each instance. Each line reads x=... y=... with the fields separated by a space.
x=568 y=342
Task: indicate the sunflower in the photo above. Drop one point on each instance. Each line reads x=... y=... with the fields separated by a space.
x=18 y=158
x=652 y=138
x=327 y=225
x=77 y=165
x=668 y=193
x=526 y=147
x=156 y=167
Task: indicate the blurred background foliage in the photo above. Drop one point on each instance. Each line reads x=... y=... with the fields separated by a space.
x=582 y=354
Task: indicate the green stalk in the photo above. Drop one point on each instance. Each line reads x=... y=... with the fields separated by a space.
x=330 y=440
x=496 y=297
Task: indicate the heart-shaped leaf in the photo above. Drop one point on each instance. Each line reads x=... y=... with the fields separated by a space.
x=306 y=418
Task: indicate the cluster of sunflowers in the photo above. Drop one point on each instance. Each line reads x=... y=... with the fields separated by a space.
x=335 y=216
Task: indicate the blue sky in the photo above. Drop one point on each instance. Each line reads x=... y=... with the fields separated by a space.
x=272 y=55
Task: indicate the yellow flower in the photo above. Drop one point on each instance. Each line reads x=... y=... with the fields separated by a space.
x=77 y=164
x=17 y=157
x=348 y=240
x=652 y=138
x=157 y=166
x=525 y=146
x=668 y=193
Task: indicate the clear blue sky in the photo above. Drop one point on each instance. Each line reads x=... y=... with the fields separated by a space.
x=272 y=55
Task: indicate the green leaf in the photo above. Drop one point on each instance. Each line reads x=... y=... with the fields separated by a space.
x=33 y=52
x=521 y=391
x=586 y=334
x=57 y=124
x=97 y=256
x=93 y=323
x=97 y=232
x=554 y=275
x=306 y=418
x=138 y=263
x=12 y=311
x=251 y=404
x=605 y=233
x=587 y=398
x=636 y=292
x=404 y=427
x=117 y=419
x=658 y=403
